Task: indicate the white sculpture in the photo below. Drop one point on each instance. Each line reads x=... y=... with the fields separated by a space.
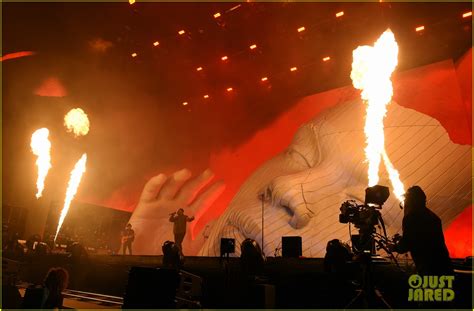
x=305 y=185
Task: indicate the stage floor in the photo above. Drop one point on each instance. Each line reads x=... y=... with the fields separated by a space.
x=298 y=282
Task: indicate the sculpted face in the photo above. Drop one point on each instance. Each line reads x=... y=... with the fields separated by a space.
x=303 y=187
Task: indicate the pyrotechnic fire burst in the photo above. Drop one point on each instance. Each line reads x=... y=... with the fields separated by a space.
x=76 y=121
x=41 y=147
x=372 y=68
x=74 y=181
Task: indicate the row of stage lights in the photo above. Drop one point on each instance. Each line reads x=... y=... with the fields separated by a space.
x=301 y=29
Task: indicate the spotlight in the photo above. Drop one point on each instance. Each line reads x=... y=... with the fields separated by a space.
x=206 y=96
x=467 y=14
x=420 y=28
x=301 y=29
x=293 y=69
x=253 y=46
x=217 y=15
x=198 y=68
x=264 y=79
x=181 y=32
x=134 y=54
x=224 y=58
x=339 y=14
x=156 y=43
x=185 y=103
x=131 y=1
x=229 y=89
x=325 y=59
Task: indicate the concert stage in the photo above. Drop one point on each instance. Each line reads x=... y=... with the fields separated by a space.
x=294 y=282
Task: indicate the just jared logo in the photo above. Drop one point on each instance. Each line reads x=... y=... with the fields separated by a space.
x=431 y=288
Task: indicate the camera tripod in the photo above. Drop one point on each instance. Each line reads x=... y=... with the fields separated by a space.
x=367 y=294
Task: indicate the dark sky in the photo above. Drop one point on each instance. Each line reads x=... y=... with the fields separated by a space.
x=138 y=125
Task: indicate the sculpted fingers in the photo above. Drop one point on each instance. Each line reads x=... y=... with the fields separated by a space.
x=173 y=184
x=191 y=188
x=152 y=188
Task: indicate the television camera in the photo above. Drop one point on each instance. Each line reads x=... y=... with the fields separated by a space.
x=366 y=217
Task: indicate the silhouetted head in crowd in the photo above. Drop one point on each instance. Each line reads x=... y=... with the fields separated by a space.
x=57 y=279
x=180 y=211
x=171 y=255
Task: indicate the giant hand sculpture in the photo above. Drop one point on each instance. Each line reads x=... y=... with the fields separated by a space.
x=163 y=195
x=304 y=186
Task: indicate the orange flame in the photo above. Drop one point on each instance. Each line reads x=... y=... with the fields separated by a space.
x=41 y=147
x=372 y=68
x=73 y=185
x=76 y=121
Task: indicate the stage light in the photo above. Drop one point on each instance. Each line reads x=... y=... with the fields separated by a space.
x=198 y=68
x=217 y=15
x=264 y=79
x=339 y=14
x=229 y=89
x=293 y=69
x=325 y=59
x=131 y=1
x=206 y=96
x=301 y=29
x=181 y=32
x=185 y=103
x=420 y=28
x=156 y=43
x=253 y=46
x=467 y=14
x=224 y=58
x=134 y=54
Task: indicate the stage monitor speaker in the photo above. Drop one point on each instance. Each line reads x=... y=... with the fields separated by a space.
x=227 y=246
x=292 y=246
x=151 y=288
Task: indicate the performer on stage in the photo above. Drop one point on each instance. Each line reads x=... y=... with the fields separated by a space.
x=128 y=235
x=179 y=228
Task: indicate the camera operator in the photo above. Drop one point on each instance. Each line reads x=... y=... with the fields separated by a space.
x=423 y=236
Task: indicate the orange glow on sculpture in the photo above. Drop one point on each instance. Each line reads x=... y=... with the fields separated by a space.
x=73 y=185
x=41 y=147
x=372 y=68
x=77 y=122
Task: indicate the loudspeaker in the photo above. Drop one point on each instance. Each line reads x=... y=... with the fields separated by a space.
x=227 y=246
x=291 y=246
x=151 y=288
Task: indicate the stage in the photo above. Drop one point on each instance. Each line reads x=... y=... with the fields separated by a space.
x=294 y=282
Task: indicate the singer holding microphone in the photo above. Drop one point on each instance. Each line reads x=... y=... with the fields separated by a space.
x=179 y=227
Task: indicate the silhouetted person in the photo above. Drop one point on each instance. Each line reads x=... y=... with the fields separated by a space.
x=423 y=236
x=179 y=228
x=11 y=297
x=336 y=258
x=48 y=296
x=251 y=258
x=128 y=236
x=171 y=255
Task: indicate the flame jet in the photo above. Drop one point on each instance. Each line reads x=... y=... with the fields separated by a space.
x=372 y=68
x=77 y=122
x=41 y=147
x=73 y=185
